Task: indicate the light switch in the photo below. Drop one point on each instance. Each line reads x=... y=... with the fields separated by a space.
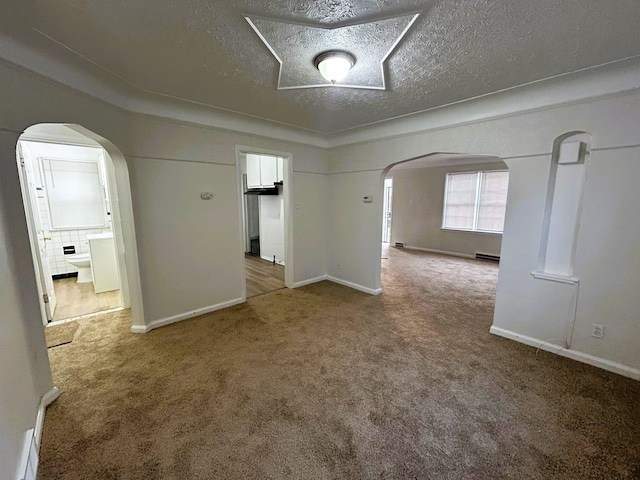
x=367 y=198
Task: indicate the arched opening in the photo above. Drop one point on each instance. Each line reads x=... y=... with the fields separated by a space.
x=77 y=198
x=441 y=206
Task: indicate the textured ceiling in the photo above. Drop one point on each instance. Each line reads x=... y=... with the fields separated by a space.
x=205 y=51
x=297 y=45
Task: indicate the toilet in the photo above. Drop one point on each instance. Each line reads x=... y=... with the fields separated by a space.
x=82 y=261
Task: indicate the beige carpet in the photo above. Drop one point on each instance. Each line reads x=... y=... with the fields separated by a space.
x=60 y=334
x=324 y=382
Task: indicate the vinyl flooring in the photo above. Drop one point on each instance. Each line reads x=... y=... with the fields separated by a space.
x=262 y=276
x=75 y=299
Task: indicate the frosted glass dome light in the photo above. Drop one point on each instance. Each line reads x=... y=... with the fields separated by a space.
x=334 y=65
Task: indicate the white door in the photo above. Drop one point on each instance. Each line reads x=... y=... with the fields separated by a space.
x=386 y=211
x=39 y=237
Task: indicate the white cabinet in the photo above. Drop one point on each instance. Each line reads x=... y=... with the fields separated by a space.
x=104 y=269
x=280 y=169
x=262 y=170
x=268 y=170
x=253 y=171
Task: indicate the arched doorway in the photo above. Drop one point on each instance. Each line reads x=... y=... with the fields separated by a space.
x=123 y=269
x=425 y=216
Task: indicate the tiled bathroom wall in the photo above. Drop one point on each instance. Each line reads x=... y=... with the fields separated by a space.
x=63 y=238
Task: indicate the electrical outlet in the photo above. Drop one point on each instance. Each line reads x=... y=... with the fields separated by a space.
x=597 y=331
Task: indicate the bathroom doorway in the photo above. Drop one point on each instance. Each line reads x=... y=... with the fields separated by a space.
x=68 y=190
x=264 y=189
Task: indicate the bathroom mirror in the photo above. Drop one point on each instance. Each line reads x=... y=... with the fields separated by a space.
x=74 y=193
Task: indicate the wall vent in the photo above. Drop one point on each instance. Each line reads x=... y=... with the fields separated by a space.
x=399 y=244
x=488 y=257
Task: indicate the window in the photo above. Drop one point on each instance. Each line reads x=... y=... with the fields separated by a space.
x=475 y=201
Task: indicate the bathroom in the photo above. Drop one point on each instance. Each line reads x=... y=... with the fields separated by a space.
x=70 y=223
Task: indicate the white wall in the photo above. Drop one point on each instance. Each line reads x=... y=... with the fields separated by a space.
x=607 y=263
x=608 y=258
x=525 y=306
x=310 y=224
x=24 y=366
x=418 y=202
x=355 y=229
x=190 y=254
x=189 y=248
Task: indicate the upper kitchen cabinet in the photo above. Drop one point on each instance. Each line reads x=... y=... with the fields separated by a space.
x=253 y=171
x=280 y=169
x=263 y=170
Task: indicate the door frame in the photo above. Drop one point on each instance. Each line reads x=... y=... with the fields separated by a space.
x=123 y=225
x=29 y=209
x=287 y=193
x=387 y=209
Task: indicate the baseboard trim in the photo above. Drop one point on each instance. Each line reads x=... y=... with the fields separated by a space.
x=270 y=260
x=309 y=281
x=608 y=365
x=184 y=316
x=439 y=252
x=355 y=286
x=28 y=463
x=46 y=400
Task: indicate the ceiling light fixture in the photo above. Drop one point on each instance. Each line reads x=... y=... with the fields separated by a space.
x=334 y=64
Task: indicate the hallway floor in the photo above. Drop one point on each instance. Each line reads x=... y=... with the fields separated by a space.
x=325 y=382
x=262 y=276
x=74 y=299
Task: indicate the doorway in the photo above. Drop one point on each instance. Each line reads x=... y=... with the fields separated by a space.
x=386 y=210
x=444 y=204
x=265 y=191
x=70 y=200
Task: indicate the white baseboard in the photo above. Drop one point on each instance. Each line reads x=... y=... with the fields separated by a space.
x=440 y=252
x=309 y=281
x=46 y=400
x=139 y=329
x=28 y=463
x=183 y=316
x=355 y=286
x=572 y=354
x=270 y=259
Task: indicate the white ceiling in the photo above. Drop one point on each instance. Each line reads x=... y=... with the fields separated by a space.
x=205 y=51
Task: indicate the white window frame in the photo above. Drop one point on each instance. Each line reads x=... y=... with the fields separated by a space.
x=476 y=209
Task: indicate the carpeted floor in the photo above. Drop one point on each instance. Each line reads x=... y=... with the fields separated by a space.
x=60 y=334
x=324 y=382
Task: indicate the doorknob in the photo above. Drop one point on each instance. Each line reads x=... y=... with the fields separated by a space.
x=46 y=238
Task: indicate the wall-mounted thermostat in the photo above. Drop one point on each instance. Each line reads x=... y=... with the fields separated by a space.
x=367 y=198
x=206 y=195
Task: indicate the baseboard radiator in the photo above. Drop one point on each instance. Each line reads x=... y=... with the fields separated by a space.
x=488 y=257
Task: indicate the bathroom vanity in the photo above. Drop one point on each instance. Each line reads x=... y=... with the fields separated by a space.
x=103 y=262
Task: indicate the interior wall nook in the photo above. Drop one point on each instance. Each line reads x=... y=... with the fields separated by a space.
x=567 y=174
